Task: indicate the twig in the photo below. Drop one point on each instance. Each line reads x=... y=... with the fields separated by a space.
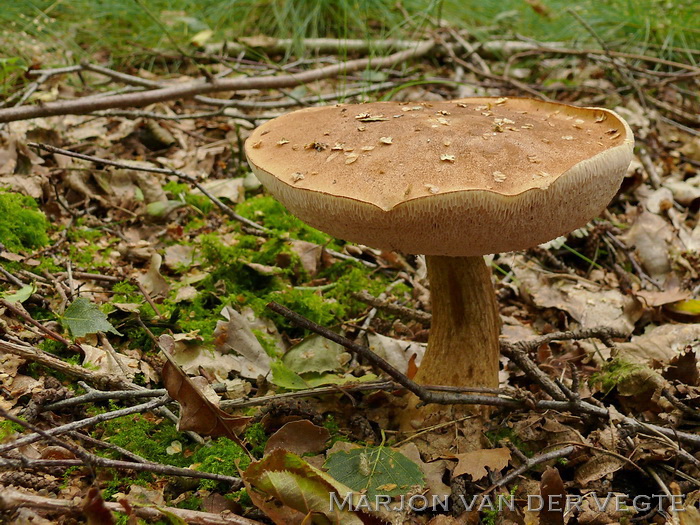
x=396 y=309
x=204 y=86
x=85 y=457
x=649 y=167
x=103 y=444
x=12 y=499
x=52 y=334
x=98 y=461
x=527 y=365
x=165 y=171
x=445 y=398
x=37 y=355
x=75 y=425
x=531 y=462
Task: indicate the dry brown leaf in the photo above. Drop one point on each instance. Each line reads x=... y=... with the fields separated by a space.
x=197 y=413
x=597 y=468
x=152 y=280
x=95 y=510
x=684 y=368
x=660 y=343
x=309 y=254
x=653 y=298
x=475 y=463
x=299 y=437
x=433 y=471
x=179 y=255
x=235 y=335
x=650 y=235
x=396 y=351
x=590 y=304
x=554 y=495
x=107 y=363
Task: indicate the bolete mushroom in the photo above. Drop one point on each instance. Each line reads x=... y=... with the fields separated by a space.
x=453 y=181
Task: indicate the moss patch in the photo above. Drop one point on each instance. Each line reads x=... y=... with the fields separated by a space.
x=22 y=226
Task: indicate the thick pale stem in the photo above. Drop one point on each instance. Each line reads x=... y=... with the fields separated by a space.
x=463 y=344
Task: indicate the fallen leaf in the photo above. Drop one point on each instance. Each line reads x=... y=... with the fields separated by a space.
x=650 y=235
x=315 y=354
x=83 y=317
x=290 y=491
x=299 y=437
x=554 y=495
x=375 y=471
x=107 y=363
x=235 y=335
x=433 y=471
x=95 y=510
x=309 y=254
x=396 y=351
x=653 y=298
x=684 y=369
x=197 y=413
x=659 y=343
x=590 y=304
x=152 y=280
x=179 y=256
x=599 y=466
x=475 y=463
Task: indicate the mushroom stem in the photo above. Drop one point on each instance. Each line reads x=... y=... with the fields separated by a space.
x=463 y=345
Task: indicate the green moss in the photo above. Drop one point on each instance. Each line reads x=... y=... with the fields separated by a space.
x=501 y=433
x=256 y=436
x=223 y=457
x=191 y=503
x=267 y=210
x=145 y=438
x=183 y=193
x=22 y=226
x=7 y=428
x=613 y=373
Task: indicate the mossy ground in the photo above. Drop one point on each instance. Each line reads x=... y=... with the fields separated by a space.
x=22 y=226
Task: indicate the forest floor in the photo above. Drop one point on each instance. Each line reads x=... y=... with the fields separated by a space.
x=144 y=377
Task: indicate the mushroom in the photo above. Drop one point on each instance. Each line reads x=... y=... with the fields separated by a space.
x=454 y=181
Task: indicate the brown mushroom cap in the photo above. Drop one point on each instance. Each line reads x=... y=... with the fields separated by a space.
x=460 y=178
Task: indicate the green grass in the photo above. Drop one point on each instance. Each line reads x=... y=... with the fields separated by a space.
x=125 y=30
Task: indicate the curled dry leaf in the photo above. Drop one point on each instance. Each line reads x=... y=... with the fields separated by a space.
x=235 y=335
x=95 y=510
x=661 y=343
x=152 y=280
x=198 y=413
x=299 y=437
x=554 y=495
x=590 y=304
x=650 y=235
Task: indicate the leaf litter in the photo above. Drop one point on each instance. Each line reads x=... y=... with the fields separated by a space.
x=634 y=269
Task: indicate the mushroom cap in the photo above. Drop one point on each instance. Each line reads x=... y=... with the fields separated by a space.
x=459 y=178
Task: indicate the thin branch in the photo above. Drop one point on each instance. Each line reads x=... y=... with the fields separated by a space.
x=444 y=398
x=82 y=423
x=204 y=86
x=12 y=499
x=530 y=463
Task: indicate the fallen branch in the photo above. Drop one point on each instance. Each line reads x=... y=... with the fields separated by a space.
x=11 y=499
x=204 y=86
x=97 y=461
x=82 y=423
x=392 y=308
x=576 y=406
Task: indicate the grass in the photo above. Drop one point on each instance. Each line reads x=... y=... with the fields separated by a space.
x=125 y=30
